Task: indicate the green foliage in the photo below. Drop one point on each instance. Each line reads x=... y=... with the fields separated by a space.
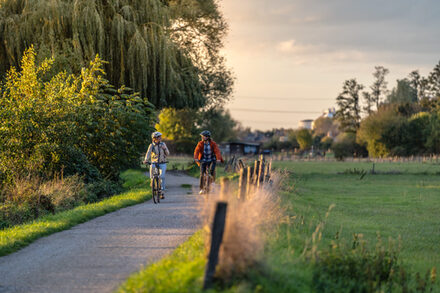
x=178 y=124
x=403 y=93
x=76 y=124
x=219 y=122
x=372 y=130
x=390 y=131
x=326 y=142
x=166 y=50
x=199 y=28
x=304 y=138
x=324 y=126
x=433 y=83
x=344 y=145
x=433 y=140
x=378 y=88
x=348 y=113
x=183 y=126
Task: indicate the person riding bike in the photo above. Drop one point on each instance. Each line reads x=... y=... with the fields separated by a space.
x=206 y=154
x=156 y=155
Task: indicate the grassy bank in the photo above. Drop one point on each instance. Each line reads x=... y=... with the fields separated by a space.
x=14 y=238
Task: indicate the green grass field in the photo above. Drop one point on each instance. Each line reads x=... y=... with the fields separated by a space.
x=401 y=201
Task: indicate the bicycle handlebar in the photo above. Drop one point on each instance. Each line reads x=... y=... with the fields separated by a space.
x=150 y=163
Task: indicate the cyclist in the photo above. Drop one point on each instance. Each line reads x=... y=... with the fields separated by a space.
x=206 y=154
x=157 y=154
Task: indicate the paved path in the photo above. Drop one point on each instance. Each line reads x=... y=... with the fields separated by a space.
x=97 y=256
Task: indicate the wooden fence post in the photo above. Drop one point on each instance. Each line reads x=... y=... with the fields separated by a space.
x=255 y=173
x=260 y=176
x=218 y=228
x=242 y=183
x=268 y=171
x=224 y=188
x=249 y=182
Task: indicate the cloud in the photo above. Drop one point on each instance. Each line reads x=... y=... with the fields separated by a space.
x=308 y=53
x=286 y=46
x=394 y=31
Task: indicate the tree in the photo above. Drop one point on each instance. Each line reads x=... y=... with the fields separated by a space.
x=379 y=86
x=199 y=28
x=219 y=122
x=324 y=126
x=418 y=83
x=344 y=145
x=403 y=93
x=433 y=141
x=177 y=125
x=369 y=102
x=348 y=113
x=433 y=83
x=390 y=131
x=143 y=42
x=304 y=138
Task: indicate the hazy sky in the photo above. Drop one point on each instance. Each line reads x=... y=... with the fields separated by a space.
x=291 y=57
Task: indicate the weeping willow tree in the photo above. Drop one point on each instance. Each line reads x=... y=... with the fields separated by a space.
x=166 y=50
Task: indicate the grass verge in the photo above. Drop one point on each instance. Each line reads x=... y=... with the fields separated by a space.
x=182 y=271
x=14 y=238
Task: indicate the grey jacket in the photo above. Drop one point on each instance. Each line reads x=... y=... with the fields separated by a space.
x=157 y=153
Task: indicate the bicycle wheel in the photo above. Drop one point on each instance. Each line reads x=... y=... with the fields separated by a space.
x=156 y=195
x=207 y=183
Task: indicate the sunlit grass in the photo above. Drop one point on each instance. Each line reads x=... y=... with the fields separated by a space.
x=16 y=237
x=182 y=271
x=395 y=205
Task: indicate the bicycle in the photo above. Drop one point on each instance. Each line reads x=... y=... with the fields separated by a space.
x=156 y=183
x=207 y=179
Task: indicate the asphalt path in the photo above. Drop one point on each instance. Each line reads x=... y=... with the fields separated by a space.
x=97 y=256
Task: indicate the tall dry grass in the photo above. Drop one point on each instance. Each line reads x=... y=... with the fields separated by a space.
x=31 y=197
x=246 y=223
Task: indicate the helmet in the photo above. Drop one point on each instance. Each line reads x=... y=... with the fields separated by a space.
x=206 y=133
x=156 y=134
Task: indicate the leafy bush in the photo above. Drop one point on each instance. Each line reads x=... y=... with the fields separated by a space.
x=75 y=123
x=60 y=132
x=344 y=146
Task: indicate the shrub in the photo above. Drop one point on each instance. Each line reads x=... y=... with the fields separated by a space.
x=344 y=146
x=101 y=189
x=79 y=123
x=31 y=197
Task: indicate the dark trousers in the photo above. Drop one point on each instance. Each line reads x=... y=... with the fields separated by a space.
x=211 y=168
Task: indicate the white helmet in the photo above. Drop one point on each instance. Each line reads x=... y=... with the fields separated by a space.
x=156 y=134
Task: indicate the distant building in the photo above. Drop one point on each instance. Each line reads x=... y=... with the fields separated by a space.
x=240 y=148
x=307 y=124
x=329 y=113
x=283 y=138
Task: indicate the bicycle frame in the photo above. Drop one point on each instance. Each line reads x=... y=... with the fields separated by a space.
x=207 y=179
x=156 y=183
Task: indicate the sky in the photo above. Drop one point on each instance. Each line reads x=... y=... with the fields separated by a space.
x=291 y=57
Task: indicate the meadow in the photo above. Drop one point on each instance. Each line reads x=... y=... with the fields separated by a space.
x=401 y=200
